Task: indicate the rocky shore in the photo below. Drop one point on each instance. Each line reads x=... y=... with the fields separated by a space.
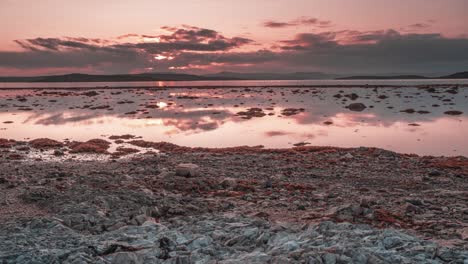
x=156 y=202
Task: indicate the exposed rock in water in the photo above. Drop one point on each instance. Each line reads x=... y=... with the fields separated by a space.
x=453 y=112
x=292 y=111
x=357 y=107
x=251 y=112
x=408 y=111
x=91 y=93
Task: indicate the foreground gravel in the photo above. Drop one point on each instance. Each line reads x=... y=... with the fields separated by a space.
x=236 y=205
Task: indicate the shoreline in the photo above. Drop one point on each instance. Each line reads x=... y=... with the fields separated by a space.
x=370 y=86
x=110 y=145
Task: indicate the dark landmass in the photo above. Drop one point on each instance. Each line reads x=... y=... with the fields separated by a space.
x=458 y=75
x=396 y=77
x=77 y=77
x=273 y=76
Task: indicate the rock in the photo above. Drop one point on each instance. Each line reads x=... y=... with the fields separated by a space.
x=291 y=111
x=453 y=112
x=125 y=258
x=91 y=93
x=416 y=202
x=253 y=258
x=268 y=184
x=347 y=212
x=329 y=258
x=187 y=170
x=58 y=152
x=376 y=260
x=251 y=112
x=140 y=219
x=352 y=96
x=392 y=242
x=201 y=242
x=413 y=209
x=434 y=173
x=301 y=144
x=227 y=183
x=357 y=107
x=463 y=234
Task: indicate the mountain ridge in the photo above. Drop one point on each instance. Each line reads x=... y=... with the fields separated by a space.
x=79 y=77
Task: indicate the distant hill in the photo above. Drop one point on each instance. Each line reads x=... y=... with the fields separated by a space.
x=458 y=75
x=272 y=76
x=395 y=77
x=76 y=77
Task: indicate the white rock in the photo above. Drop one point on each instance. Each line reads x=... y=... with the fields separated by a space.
x=187 y=170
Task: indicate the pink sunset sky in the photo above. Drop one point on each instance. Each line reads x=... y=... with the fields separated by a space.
x=203 y=36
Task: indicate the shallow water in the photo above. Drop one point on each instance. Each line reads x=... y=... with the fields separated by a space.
x=207 y=117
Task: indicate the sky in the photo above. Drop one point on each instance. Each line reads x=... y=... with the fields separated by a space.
x=42 y=37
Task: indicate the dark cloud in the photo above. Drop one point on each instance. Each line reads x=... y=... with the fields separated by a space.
x=419 y=26
x=314 y=22
x=386 y=50
x=187 y=38
x=307 y=41
x=73 y=55
x=177 y=46
x=192 y=48
x=109 y=56
x=276 y=24
x=302 y=21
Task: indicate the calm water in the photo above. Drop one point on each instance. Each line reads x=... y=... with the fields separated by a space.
x=232 y=83
x=208 y=117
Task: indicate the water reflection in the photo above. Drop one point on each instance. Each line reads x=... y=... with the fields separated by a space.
x=209 y=117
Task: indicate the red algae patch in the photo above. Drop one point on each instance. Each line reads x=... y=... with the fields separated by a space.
x=99 y=146
x=45 y=143
x=15 y=156
x=122 y=151
x=6 y=143
x=169 y=147
x=455 y=163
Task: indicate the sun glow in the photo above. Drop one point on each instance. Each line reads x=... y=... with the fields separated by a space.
x=162 y=57
x=151 y=39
